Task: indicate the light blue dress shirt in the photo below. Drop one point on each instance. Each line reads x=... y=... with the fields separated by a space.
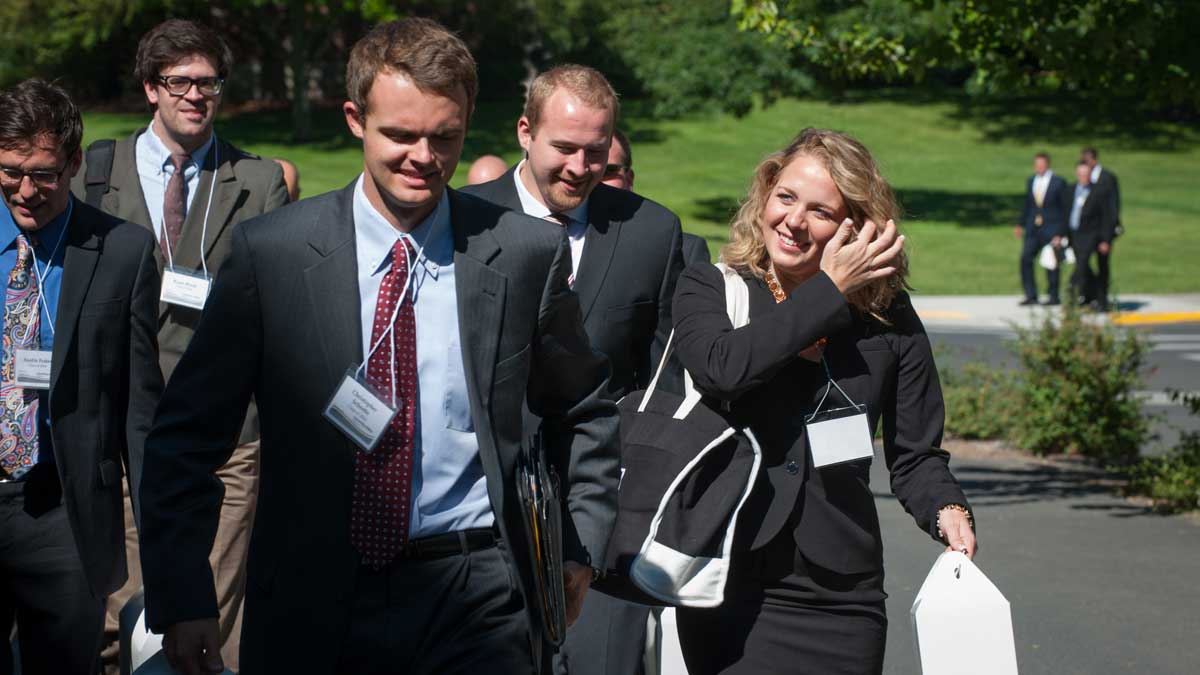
x=449 y=490
x=49 y=251
x=154 y=169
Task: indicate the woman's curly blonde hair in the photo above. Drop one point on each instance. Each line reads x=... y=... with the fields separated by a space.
x=866 y=193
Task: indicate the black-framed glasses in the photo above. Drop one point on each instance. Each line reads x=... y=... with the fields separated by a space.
x=178 y=85
x=42 y=179
x=614 y=170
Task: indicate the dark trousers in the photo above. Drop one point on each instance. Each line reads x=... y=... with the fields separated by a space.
x=1030 y=247
x=1102 y=260
x=1085 y=283
x=42 y=585
x=457 y=614
x=609 y=638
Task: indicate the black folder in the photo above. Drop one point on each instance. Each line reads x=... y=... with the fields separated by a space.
x=541 y=512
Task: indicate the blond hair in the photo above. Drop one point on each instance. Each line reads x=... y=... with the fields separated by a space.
x=586 y=84
x=866 y=193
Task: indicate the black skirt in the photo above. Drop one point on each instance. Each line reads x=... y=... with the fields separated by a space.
x=782 y=614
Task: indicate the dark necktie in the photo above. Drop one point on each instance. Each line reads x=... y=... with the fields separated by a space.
x=174 y=204
x=564 y=220
x=383 y=477
x=22 y=317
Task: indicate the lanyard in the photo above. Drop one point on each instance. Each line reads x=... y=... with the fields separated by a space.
x=389 y=332
x=832 y=383
x=41 y=274
x=208 y=207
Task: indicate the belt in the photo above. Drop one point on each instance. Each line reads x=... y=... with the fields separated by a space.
x=459 y=542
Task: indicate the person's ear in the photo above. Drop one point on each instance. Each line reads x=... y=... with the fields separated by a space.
x=355 y=120
x=524 y=133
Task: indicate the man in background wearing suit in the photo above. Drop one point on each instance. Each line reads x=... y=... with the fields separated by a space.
x=1043 y=222
x=618 y=173
x=189 y=188
x=80 y=382
x=625 y=252
x=1104 y=182
x=428 y=318
x=1090 y=232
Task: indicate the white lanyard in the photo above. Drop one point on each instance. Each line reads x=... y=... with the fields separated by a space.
x=212 y=188
x=828 y=386
x=41 y=274
x=412 y=268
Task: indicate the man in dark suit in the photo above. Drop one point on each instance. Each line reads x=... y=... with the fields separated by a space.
x=391 y=332
x=618 y=173
x=183 y=66
x=1104 y=182
x=1091 y=233
x=80 y=382
x=1043 y=223
x=626 y=257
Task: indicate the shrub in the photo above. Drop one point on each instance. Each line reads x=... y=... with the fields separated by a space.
x=1172 y=481
x=1077 y=389
x=981 y=401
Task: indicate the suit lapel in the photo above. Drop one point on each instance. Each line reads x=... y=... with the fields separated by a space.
x=599 y=244
x=125 y=198
x=79 y=263
x=481 y=294
x=332 y=284
x=196 y=232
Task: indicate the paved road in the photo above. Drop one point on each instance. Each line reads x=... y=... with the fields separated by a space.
x=1097 y=584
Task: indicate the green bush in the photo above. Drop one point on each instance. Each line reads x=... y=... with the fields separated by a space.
x=981 y=401
x=1172 y=481
x=1077 y=390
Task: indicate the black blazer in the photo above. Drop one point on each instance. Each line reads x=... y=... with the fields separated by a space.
x=104 y=382
x=1108 y=191
x=283 y=324
x=1096 y=222
x=695 y=250
x=757 y=368
x=626 y=278
x=1054 y=211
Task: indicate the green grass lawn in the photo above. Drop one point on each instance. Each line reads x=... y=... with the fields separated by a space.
x=959 y=166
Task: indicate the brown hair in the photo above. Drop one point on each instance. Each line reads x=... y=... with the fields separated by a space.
x=435 y=59
x=174 y=40
x=866 y=193
x=587 y=84
x=35 y=109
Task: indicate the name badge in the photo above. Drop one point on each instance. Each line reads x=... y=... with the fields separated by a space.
x=839 y=436
x=33 y=368
x=359 y=412
x=182 y=288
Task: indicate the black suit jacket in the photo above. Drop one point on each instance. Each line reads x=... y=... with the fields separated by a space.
x=104 y=381
x=890 y=369
x=695 y=250
x=283 y=324
x=1108 y=192
x=1054 y=211
x=625 y=281
x=1096 y=223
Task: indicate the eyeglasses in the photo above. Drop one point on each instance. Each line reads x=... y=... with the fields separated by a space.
x=43 y=180
x=614 y=170
x=178 y=85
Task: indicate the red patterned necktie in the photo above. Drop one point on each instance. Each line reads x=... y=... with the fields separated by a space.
x=383 y=477
x=174 y=204
x=22 y=318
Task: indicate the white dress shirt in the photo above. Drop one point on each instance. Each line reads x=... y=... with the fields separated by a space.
x=154 y=169
x=576 y=229
x=1040 y=185
x=1095 y=173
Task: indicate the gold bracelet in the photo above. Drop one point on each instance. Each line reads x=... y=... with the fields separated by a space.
x=957 y=507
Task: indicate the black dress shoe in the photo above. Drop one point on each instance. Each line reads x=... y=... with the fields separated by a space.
x=1052 y=302
x=1027 y=302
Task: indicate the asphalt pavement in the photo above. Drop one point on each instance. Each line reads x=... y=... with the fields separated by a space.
x=1098 y=584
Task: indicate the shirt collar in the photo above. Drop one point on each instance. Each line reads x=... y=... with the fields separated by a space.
x=532 y=206
x=161 y=156
x=47 y=238
x=1096 y=172
x=375 y=236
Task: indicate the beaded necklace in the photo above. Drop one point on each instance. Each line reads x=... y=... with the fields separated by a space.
x=780 y=296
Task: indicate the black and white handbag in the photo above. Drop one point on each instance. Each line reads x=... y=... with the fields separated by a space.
x=685 y=474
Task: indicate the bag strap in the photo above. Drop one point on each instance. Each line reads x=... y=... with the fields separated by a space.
x=99 y=170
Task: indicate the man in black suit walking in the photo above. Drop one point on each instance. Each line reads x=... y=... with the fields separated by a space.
x=391 y=333
x=1104 y=182
x=1043 y=222
x=80 y=382
x=1091 y=233
x=626 y=257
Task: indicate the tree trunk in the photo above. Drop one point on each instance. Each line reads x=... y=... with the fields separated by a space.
x=300 y=40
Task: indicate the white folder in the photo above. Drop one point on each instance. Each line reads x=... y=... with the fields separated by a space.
x=961 y=621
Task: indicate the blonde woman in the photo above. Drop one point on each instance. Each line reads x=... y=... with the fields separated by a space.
x=832 y=338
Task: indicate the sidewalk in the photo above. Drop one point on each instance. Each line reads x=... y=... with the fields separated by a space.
x=998 y=313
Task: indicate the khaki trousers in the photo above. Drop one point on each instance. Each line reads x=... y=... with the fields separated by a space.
x=228 y=558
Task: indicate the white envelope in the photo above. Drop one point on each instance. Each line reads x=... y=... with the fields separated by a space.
x=1048 y=258
x=961 y=622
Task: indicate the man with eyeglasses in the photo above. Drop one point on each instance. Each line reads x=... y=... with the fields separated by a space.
x=626 y=256
x=190 y=188
x=79 y=378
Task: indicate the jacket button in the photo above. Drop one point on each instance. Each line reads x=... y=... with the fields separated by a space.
x=792 y=467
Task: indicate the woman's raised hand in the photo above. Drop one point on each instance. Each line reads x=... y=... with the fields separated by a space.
x=854 y=264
